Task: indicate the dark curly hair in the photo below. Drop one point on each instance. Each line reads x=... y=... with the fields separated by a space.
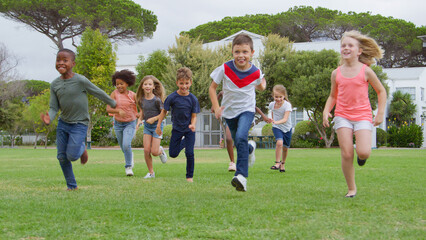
x=125 y=75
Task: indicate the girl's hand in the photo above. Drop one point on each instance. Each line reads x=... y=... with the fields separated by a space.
x=325 y=117
x=268 y=120
x=121 y=112
x=192 y=127
x=378 y=119
x=45 y=118
x=158 y=131
x=150 y=120
x=138 y=115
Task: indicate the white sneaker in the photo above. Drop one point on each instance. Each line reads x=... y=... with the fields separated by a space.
x=232 y=167
x=240 y=183
x=252 y=157
x=149 y=175
x=129 y=171
x=163 y=155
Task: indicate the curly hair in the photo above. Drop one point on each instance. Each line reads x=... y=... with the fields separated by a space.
x=125 y=75
x=371 y=51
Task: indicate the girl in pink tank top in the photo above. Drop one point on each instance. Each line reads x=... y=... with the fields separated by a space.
x=349 y=92
x=125 y=114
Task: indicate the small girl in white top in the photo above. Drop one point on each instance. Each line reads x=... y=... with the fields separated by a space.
x=281 y=125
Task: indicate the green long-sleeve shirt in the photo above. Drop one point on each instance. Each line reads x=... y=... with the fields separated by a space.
x=70 y=96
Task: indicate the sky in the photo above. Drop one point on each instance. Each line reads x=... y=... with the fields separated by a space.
x=36 y=52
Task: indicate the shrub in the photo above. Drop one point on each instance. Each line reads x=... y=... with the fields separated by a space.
x=267 y=130
x=138 y=139
x=381 y=137
x=167 y=134
x=405 y=136
x=304 y=135
x=102 y=126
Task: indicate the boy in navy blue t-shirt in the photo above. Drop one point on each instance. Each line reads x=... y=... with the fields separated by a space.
x=184 y=106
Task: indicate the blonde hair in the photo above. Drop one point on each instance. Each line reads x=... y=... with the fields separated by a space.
x=371 y=51
x=158 y=89
x=281 y=89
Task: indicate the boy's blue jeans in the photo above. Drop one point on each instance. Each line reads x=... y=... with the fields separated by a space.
x=177 y=144
x=125 y=131
x=70 y=138
x=239 y=127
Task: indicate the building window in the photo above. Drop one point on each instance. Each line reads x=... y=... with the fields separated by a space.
x=422 y=94
x=296 y=116
x=409 y=90
x=211 y=130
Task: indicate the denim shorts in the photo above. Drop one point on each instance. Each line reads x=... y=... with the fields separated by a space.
x=150 y=129
x=340 y=122
x=284 y=136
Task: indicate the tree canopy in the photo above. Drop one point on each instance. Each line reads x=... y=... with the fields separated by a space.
x=190 y=53
x=398 y=37
x=61 y=20
x=96 y=60
x=402 y=108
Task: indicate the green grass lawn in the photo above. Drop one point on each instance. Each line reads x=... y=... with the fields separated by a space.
x=306 y=202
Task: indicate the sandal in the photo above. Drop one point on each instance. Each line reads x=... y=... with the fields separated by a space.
x=282 y=170
x=275 y=167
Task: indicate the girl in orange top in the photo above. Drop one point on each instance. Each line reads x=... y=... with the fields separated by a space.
x=349 y=92
x=125 y=114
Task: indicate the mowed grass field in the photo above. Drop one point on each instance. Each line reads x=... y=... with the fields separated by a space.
x=305 y=202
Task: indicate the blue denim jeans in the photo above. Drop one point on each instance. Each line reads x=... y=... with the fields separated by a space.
x=70 y=138
x=125 y=131
x=177 y=144
x=239 y=127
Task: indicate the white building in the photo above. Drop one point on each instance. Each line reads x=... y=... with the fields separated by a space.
x=209 y=131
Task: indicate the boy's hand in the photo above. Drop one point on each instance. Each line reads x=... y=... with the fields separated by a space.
x=192 y=127
x=325 y=117
x=218 y=112
x=158 y=131
x=45 y=118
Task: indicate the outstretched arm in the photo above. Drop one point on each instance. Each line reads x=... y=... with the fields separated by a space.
x=213 y=98
x=331 y=101
x=264 y=117
x=284 y=119
x=262 y=85
x=113 y=111
x=161 y=117
x=193 y=122
x=381 y=95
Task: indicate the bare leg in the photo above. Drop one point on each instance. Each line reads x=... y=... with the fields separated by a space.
x=363 y=143
x=229 y=144
x=284 y=157
x=345 y=136
x=155 y=146
x=278 y=153
x=147 y=152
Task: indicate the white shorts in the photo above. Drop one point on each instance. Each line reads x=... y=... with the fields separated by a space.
x=340 y=122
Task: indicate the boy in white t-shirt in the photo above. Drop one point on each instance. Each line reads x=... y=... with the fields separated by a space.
x=239 y=78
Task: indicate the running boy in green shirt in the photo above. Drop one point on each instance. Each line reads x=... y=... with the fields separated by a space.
x=68 y=93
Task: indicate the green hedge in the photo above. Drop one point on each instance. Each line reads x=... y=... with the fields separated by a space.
x=138 y=139
x=405 y=136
